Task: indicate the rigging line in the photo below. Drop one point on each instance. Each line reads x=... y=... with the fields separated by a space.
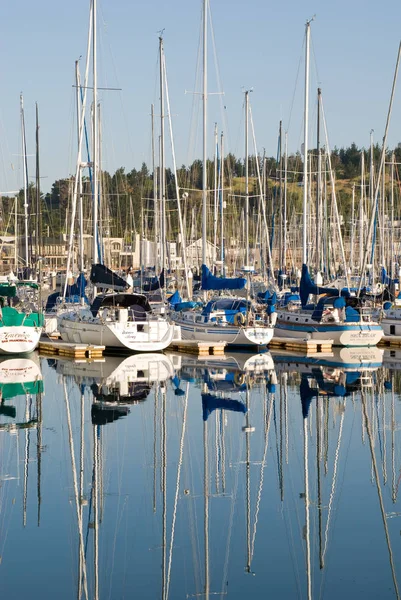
x=119 y=510
x=262 y=468
x=307 y=523
x=195 y=108
x=334 y=197
x=177 y=487
x=384 y=437
x=393 y=489
x=333 y=484
x=232 y=510
x=296 y=84
x=75 y=482
x=156 y=395
x=379 y=493
x=347 y=451
x=262 y=199
x=164 y=489
x=275 y=430
x=216 y=450
x=289 y=528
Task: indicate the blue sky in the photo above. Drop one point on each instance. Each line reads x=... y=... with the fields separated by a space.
x=258 y=44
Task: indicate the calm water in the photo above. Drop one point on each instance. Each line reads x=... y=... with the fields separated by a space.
x=229 y=478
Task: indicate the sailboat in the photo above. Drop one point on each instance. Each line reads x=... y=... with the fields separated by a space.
x=331 y=317
x=119 y=320
x=230 y=319
x=20 y=325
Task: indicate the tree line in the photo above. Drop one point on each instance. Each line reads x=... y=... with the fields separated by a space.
x=128 y=196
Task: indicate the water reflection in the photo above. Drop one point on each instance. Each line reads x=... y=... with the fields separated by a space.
x=168 y=476
x=21 y=388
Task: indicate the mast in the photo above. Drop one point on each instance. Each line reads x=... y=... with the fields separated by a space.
x=204 y=170
x=306 y=125
x=391 y=257
x=222 y=204
x=280 y=156
x=319 y=184
x=38 y=221
x=25 y=171
x=351 y=258
x=361 y=212
x=162 y=159
x=246 y=181
x=284 y=266
x=95 y=140
x=382 y=158
x=155 y=209
x=81 y=214
x=215 y=194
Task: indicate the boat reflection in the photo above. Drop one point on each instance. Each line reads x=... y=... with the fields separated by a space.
x=117 y=382
x=21 y=379
x=212 y=476
x=335 y=378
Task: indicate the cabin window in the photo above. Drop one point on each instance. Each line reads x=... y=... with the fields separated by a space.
x=296 y=319
x=392 y=329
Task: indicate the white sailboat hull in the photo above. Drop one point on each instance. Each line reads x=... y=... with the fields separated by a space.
x=299 y=325
x=230 y=334
x=147 y=336
x=19 y=339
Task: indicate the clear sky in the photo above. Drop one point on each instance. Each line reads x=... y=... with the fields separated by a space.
x=258 y=44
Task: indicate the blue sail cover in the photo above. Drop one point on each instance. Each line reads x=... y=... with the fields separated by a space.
x=211 y=282
x=104 y=278
x=73 y=294
x=307 y=286
x=386 y=280
x=155 y=283
x=174 y=299
x=211 y=403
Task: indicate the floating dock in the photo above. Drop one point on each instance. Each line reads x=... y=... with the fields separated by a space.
x=199 y=348
x=65 y=349
x=302 y=345
x=391 y=340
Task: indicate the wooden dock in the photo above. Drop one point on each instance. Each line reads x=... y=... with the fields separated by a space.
x=75 y=351
x=199 y=348
x=302 y=345
x=391 y=340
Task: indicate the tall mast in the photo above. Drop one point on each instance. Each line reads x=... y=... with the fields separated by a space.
x=306 y=125
x=361 y=245
x=162 y=160
x=81 y=214
x=222 y=204
x=351 y=258
x=284 y=266
x=281 y=257
x=319 y=181
x=25 y=170
x=204 y=170
x=38 y=221
x=215 y=194
x=246 y=180
x=391 y=257
x=155 y=209
x=95 y=140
